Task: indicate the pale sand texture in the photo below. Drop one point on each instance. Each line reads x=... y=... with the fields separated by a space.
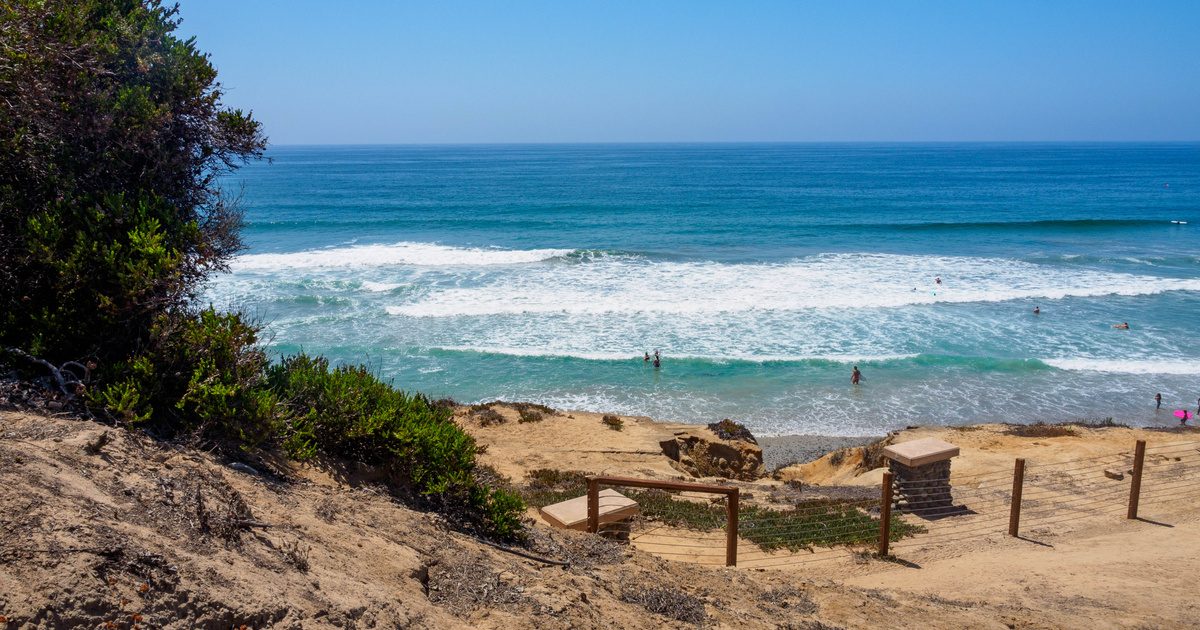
x=81 y=534
x=1080 y=563
x=573 y=440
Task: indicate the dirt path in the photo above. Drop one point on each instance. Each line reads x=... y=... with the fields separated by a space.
x=1138 y=575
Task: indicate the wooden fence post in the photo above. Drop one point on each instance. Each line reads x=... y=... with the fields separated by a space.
x=731 y=528
x=593 y=522
x=1135 y=488
x=885 y=513
x=1014 y=512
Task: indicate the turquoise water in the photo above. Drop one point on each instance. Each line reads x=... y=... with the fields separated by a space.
x=762 y=272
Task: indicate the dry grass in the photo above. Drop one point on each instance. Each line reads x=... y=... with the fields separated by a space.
x=613 y=422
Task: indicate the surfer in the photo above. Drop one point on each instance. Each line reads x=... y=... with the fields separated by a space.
x=1122 y=326
x=1158 y=401
x=855 y=376
x=938 y=280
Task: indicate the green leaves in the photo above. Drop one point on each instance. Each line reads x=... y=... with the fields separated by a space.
x=348 y=413
x=111 y=135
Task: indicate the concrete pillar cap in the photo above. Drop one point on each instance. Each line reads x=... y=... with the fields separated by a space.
x=920 y=452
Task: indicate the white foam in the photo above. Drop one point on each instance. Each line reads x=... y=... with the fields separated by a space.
x=422 y=254
x=632 y=285
x=625 y=356
x=1127 y=366
x=379 y=287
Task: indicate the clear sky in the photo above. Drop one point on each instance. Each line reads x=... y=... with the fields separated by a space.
x=333 y=72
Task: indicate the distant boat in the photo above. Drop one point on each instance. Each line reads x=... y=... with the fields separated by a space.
x=1179 y=222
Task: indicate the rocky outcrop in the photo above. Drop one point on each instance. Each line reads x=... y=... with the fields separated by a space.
x=703 y=454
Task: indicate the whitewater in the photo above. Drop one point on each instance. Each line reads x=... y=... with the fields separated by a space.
x=763 y=273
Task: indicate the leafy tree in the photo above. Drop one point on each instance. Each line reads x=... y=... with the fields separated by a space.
x=112 y=133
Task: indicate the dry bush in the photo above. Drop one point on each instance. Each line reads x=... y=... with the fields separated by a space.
x=529 y=415
x=666 y=601
x=613 y=422
x=1040 y=430
x=790 y=597
x=296 y=555
x=463 y=585
x=486 y=415
x=729 y=430
x=326 y=509
x=1105 y=423
x=522 y=407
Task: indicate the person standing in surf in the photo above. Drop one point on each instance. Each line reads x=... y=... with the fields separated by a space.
x=855 y=376
x=657 y=359
x=1158 y=401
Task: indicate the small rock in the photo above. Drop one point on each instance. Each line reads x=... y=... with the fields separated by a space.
x=1113 y=474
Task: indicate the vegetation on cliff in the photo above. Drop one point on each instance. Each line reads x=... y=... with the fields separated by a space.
x=112 y=137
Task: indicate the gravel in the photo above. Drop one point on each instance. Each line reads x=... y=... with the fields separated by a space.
x=798 y=449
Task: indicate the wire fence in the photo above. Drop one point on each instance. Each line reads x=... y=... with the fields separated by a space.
x=939 y=516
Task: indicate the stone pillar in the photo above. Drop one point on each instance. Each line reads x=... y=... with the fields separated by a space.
x=922 y=473
x=922 y=488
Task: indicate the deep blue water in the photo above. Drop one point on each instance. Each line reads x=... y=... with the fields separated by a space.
x=763 y=272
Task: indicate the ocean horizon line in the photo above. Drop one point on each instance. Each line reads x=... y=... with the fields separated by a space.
x=629 y=143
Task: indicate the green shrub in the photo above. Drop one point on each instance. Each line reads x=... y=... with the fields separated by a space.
x=812 y=523
x=348 y=413
x=202 y=374
x=112 y=136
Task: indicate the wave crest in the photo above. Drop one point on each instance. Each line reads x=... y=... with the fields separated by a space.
x=618 y=284
x=395 y=254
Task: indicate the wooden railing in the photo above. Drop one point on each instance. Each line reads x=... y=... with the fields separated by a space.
x=731 y=504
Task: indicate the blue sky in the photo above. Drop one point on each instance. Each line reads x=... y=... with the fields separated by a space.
x=661 y=71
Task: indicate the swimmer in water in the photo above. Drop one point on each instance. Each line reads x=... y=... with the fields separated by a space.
x=938 y=279
x=855 y=376
x=1037 y=310
x=647 y=358
x=1122 y=326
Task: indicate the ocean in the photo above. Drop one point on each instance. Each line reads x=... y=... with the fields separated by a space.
x=762 y=272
